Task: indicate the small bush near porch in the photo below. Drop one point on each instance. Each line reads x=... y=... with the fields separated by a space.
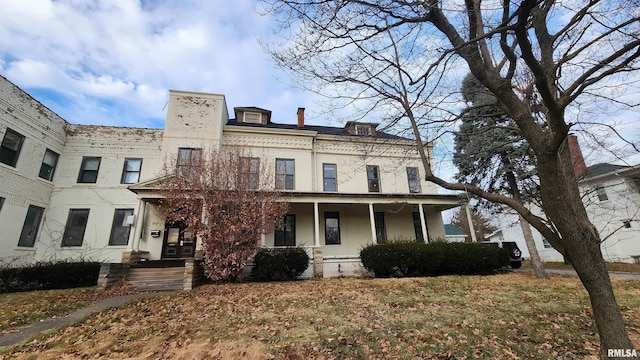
x=279 y=264
x=433 y=259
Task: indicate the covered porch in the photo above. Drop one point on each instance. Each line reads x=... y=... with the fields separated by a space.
x=333 y=227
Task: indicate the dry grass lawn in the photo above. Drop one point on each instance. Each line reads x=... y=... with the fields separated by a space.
x=510 y=316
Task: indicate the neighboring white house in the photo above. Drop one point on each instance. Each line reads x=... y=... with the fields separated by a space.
x=84 y=191
x=611 y=195
x=454 y=234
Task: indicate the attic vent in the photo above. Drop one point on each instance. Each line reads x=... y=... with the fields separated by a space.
x=252 y=117
x=363 y=129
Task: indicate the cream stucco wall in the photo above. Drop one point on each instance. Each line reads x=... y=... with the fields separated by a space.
x=113 y=145
x=194 y=120
x=20 y=186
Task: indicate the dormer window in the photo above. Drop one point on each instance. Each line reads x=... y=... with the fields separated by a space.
x=252 y=117
x=363 y=129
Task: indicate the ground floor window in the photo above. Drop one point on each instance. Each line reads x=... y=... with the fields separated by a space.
x=417 y=227
x=76 y=225
x=381 y=231
x=286 y=236
x=30 y=227
x=331 y=228
x=120 y=228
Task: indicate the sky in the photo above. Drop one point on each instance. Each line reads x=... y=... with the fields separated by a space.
x=113 y=62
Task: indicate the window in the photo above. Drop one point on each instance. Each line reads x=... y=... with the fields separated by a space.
x=48 y=166
x=120 y=229
x=285 y=170
x=131 y=171
x=329 y=173
x=249 y=173
x=188 y=161
x=381 y=231
x=331 y=228
x=414 y=180
x=252 y=117
x=287 y=235
x=373 y=178
x=89 y=170
x=546 y=243
x=636 y=180
x=363 y=129
x=76 y=225
x=10 y=147
x=602 y=194
x=417 y=227
x=1 y=202
x=30 y=227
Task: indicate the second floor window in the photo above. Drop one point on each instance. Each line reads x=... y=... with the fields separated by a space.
x=249 y=177
x=10 y=147
x=285 y=170
x=89 y=170
x=48 y=166
x=188 y=161
x=373 y=178
x=414 y=180
x=131 y=171
x=602 y=193
x=330 y=177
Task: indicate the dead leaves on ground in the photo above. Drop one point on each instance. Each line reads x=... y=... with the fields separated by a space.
x=501 y=317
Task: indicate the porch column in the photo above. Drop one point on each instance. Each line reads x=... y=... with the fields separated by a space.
x=316 y=225
x=372 y=220
x=423 y=224
x=139 y=223
x=470 y=222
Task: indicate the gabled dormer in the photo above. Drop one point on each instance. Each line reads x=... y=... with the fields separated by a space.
x=361 y=128
x=252 y=115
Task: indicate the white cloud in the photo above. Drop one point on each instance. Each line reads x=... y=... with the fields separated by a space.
x=128 y=54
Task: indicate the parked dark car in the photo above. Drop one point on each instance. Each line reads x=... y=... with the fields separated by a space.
x=515 y=253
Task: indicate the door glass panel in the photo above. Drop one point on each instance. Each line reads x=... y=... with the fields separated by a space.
x=173 y=235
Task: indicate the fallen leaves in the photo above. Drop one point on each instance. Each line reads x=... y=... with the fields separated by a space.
x=432 y=318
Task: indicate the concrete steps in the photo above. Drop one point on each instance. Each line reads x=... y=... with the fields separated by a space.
x=156 y=278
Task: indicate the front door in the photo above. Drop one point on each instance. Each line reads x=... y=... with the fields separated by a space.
x=178 y=242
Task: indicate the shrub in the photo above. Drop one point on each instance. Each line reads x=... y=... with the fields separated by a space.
x=279 y=264
x=49 y=275
x=417 y=259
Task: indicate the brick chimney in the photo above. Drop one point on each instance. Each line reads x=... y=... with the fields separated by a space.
x=579 y=167
x=300 y=117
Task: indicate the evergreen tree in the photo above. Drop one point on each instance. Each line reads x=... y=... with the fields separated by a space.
x=490 y=153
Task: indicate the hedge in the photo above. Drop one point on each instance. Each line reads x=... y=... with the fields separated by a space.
x=279 y=264
x=49 y=275
x=433 y=259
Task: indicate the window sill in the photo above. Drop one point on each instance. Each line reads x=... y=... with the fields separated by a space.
x=10 y=168
x=25 y=248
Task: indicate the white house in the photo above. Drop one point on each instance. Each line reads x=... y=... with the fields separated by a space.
x=611 y=195
x=84 y=191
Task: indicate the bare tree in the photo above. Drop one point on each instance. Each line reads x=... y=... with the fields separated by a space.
x=545 y=61
x=228 y=201
x=481 y=224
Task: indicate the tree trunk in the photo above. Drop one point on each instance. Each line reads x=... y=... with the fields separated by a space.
x=536 y=262
x=580 y=243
